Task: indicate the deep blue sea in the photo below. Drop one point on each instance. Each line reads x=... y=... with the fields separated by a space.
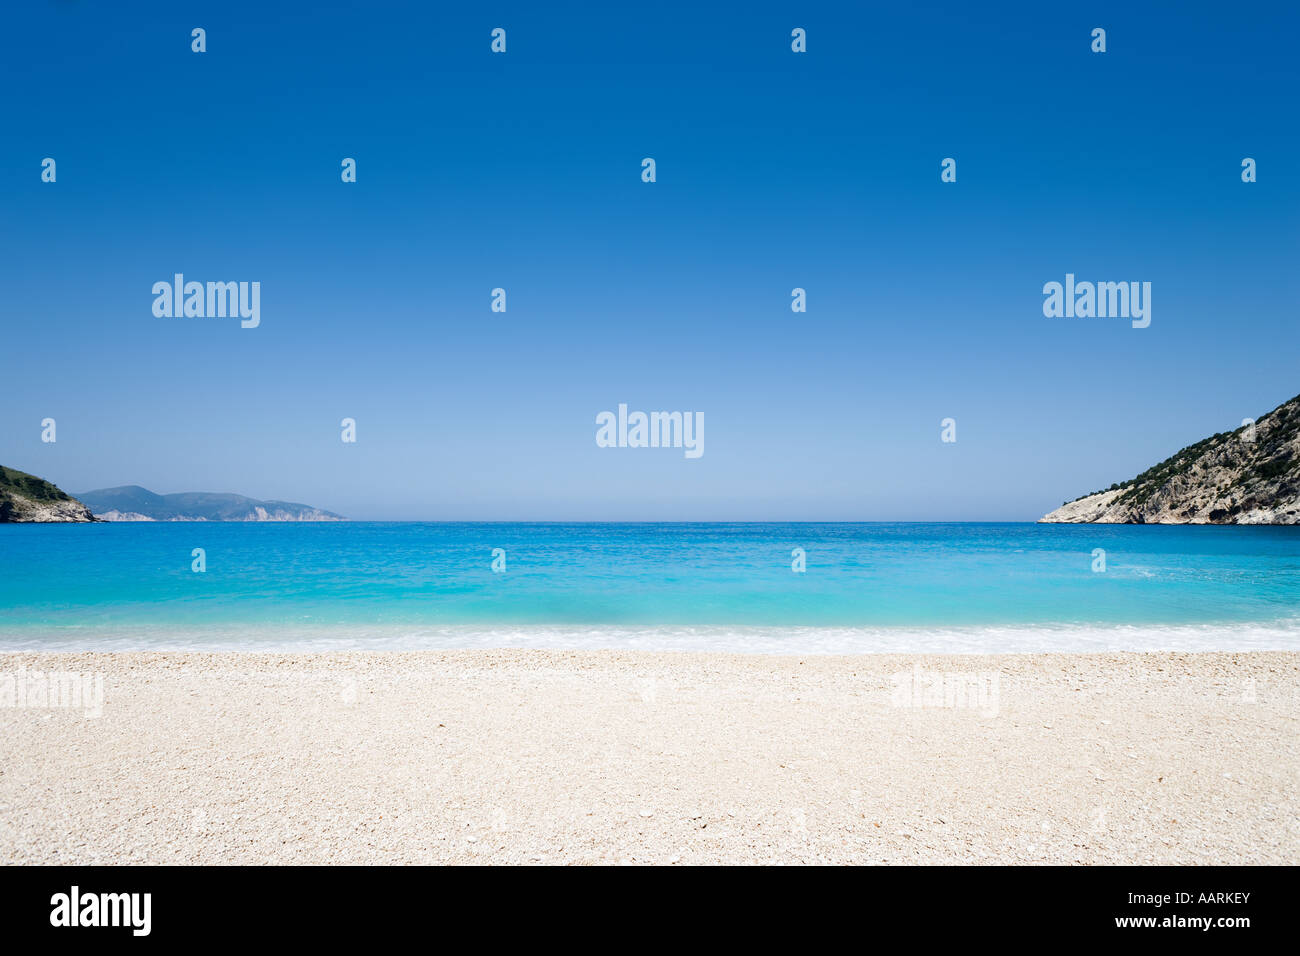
x=731 y=587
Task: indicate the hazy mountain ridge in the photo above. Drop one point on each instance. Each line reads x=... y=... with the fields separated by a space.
x=134 y=503
x=1229 y=478
x=26 y=498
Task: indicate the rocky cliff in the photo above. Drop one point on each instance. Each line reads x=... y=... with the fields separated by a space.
x=1248 y=476
x=25 y=497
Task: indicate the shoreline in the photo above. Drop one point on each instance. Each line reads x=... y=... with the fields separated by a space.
x=1250 y=636
x=526 y=756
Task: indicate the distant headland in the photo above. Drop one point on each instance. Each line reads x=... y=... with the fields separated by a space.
x=133 y=503
x=1247 y=476
x=26 y=498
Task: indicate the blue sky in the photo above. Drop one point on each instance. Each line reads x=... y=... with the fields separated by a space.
x=522 y=171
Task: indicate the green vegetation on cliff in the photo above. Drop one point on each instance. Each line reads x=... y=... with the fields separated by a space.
x=25 y=497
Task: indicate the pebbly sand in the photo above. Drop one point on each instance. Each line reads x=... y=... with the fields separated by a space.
x=604 y=757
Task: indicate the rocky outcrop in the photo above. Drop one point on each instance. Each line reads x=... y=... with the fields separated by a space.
x=1248 y=476
x=26 y=498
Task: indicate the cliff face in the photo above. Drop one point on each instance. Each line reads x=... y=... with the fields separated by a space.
x=1230 y=478
x=25 y=497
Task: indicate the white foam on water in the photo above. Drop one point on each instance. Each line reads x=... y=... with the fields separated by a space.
x=1007 y=639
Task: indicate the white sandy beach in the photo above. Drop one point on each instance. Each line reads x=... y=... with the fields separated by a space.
x=600 y=756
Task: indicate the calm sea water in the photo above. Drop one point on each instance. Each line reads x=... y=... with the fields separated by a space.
x=868 y=587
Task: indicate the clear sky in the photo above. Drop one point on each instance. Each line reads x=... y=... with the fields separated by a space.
x=522 y=170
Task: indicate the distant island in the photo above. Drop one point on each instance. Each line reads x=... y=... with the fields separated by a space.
x=133 y=503
x=1247 y=476
x=25 y=497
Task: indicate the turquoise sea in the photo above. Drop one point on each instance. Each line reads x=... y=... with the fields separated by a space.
x=867 y=587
